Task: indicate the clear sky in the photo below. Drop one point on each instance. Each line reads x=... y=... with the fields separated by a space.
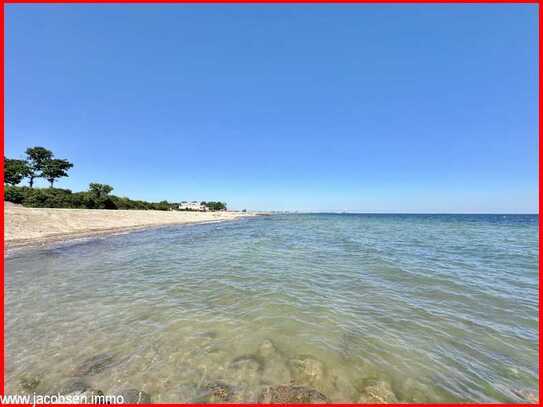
x=409 y=108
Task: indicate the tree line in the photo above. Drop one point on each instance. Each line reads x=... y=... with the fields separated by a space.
x=40 y=163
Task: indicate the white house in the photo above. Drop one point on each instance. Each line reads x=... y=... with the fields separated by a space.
x=192 y=206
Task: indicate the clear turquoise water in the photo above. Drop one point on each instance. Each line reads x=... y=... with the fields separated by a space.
x=442 y=307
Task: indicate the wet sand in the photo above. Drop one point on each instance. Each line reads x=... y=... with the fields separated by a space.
x=40 y=226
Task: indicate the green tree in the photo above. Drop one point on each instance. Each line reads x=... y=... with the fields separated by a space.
x=37 y=157
x=98 y=197
x=162 y=206
x=215 y=206
x=53 y=169
x=99 y=191
x=15 y=171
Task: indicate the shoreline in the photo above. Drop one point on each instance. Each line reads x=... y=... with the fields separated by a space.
x=39 y=227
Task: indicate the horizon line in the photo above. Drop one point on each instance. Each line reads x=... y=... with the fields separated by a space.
x=302 y=212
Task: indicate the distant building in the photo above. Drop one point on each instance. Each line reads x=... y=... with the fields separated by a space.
x=192 y=206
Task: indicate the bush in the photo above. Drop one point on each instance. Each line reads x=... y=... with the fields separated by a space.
x=15 y=194
x=215 y=206
x=79 y=200
x=122 y=202
x=48 y=198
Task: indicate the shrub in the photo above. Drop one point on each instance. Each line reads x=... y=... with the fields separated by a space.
x=14 y=194
x=48 y=198
x=215 y=206
x=77 y=200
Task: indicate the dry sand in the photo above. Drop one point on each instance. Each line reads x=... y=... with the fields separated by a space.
x=37 y=226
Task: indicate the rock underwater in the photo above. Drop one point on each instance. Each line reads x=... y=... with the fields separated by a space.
x=306 y=370
x=291 y=394
x=95 y=365
x=377 y=392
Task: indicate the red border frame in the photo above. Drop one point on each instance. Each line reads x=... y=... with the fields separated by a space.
x=266 y=1
x=540 y=151
x=2 y=354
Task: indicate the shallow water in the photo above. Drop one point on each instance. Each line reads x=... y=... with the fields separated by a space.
x=441 y=307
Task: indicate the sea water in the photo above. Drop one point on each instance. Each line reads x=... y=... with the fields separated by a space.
x=433 y=308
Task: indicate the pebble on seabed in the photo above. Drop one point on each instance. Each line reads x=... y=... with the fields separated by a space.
x=291 y=394
x=219 y=392
x=378 y=392
x=306 y=370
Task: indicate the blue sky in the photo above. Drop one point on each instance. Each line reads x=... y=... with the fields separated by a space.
x=402 y=108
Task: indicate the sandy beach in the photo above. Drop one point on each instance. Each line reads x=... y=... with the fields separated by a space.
x=38 y=226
